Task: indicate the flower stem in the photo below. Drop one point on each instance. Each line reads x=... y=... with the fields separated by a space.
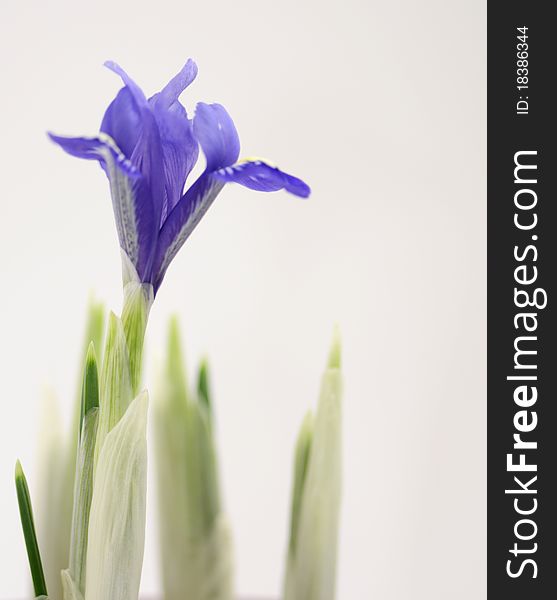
x=138 y=299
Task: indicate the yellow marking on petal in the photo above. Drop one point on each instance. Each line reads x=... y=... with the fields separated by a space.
x=257 y=158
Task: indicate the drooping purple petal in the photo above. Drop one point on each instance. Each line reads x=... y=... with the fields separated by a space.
x=258 y=175
x=217 y=135
x=134 y=214
x=101 y=148
x=182 y=220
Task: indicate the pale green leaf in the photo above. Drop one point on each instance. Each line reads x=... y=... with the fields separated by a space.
x=69 y=587
x=83 y=493
x=115 y=385
x=195 y=539
x=55 y=493
x=301 y=460
x=117 y=517
x=311 y=566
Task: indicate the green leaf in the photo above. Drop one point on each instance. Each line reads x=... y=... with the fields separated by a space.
x=334 y=361
x=28 y=524
x=117 y=517
x=196 y=545
x=83 y=493
x=301 y=460
x=55 y=483
x=115 y=387
x=58 y=451
x=69 y=587
x=94 y=332
x=175 y=373
x=84 y=469
x=90 y=387
x=311 y=566
x=203 y=392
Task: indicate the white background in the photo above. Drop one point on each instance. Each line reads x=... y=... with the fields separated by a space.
x=380 y=106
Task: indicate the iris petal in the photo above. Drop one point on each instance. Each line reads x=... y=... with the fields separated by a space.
x=180 y=152
x=179 y=147
x=135 y=90
x=131 y=119
x=149 y=190
x=134 y=214
x=122 y=121
x=148 y=148
x=182 y=221
x=258 y=175
x=217 y=135
x=191 y=208
x=172 y=90
x=101 y=148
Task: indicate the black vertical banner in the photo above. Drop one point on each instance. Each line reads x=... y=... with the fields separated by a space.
x=522 y=300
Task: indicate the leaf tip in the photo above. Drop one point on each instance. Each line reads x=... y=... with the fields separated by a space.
x=203 y=390
x=335 y=353
x=18 y=470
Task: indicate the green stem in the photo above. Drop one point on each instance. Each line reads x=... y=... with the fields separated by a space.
x=138 y=298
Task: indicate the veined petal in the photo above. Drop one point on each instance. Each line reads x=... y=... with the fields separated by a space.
x=100 y=147
x=217 y=135
x=182 y=221
x=135 y=90
x=259 y=175
x=136 y=220
x=122 y=121
x=179 y=147
x=148 y=192
x=131 y=120
x=172 y=90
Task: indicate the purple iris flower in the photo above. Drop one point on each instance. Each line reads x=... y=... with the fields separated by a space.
x=147 y=148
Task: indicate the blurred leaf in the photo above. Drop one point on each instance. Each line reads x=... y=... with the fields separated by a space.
x=312 y=555
x=203 y=391
x=58 y=451
x=301 y=459
x=196 y=546
x=56 y=472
